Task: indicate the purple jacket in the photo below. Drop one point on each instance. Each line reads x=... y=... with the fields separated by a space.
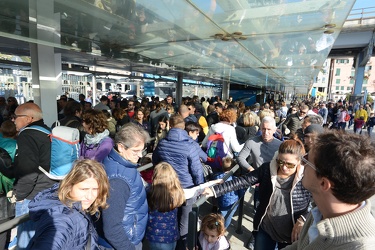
x=97 y=151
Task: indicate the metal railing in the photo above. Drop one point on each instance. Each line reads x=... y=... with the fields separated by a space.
x=361 y=14
x=194 y=214
x=25 y=217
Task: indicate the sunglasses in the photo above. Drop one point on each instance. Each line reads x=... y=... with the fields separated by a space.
x=306 y=162
x=289 y=165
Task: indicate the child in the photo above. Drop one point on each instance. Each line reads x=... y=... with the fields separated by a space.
x=358 y=124
x=370 y=124
x=211 y=236
x=227 y=200
x=164 y=197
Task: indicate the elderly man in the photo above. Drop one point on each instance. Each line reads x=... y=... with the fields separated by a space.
x=124 y=222
x=340 y=175
x=260 y=149
x=33 y=150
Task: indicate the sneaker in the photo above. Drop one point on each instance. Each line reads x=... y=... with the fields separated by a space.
x=251 y=243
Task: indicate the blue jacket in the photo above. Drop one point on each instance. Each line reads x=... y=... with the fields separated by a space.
x=179 y=150
x=127 y=202
x=58 y=226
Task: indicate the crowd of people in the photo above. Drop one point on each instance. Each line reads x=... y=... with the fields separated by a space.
x=313 y=180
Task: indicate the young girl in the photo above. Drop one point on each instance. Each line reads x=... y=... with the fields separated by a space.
x=62 y=213
x=164 y=197
x=212 y=232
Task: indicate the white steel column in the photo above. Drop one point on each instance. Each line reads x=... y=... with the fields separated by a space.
x=45 y=64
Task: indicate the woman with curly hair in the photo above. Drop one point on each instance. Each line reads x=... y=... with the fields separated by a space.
x=62 y=214
x=97 y=144
x=224 y=127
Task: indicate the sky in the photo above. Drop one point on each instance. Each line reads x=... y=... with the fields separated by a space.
x=363 y=4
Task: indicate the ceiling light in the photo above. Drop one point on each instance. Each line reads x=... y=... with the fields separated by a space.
x=329 y=32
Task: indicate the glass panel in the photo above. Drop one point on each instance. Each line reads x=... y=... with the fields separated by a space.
x=262 y=43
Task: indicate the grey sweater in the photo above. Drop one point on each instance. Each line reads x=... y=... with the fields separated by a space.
x=257 y=152
x=355 y=230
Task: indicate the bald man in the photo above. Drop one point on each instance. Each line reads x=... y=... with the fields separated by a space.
x=33 y=150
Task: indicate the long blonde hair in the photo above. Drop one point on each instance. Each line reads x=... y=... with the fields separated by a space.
x=166 y=192
x=81 y=171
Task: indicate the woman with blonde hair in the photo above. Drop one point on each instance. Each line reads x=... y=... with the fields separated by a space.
x=170 y=110
x=164 y=197
x=62 y=213
x=247 y=129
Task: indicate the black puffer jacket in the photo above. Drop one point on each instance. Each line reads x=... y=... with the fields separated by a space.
x=266 y=175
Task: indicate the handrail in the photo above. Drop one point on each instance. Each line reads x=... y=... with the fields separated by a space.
x=20 y=219
x=194 y=214
x=144 y=167
x=13 y=222
x=361 y=13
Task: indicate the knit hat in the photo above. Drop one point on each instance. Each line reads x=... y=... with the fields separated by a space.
x=314 y=128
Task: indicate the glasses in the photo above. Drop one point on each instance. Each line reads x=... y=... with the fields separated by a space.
x=308 y=163
x=9 y=100
x=302 y=112
x=14 y=117
x=287 y=164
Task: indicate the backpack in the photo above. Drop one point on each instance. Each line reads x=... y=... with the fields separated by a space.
x=215 y=151
x=347 y=117
x=64 y=149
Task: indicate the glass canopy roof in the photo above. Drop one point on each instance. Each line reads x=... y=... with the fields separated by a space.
x=264 y=43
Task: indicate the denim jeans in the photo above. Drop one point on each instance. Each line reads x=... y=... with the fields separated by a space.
x=369 y=130
x=224 y=211
x=264 y=242
x=162 y=246
x=26 y=230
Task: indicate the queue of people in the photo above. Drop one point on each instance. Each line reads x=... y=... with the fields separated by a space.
x=309 y=175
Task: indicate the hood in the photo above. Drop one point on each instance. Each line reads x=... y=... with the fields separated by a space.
x=220 y=127
x=46 y=200
x=177 y=134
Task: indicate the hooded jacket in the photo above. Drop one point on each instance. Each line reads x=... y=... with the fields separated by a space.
x=266 y=176
x=59 y=227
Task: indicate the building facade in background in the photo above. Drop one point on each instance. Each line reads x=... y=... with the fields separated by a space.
x=342 y=79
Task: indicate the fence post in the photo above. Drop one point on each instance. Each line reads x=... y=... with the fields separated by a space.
x=193 y=228
x=240 y=216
